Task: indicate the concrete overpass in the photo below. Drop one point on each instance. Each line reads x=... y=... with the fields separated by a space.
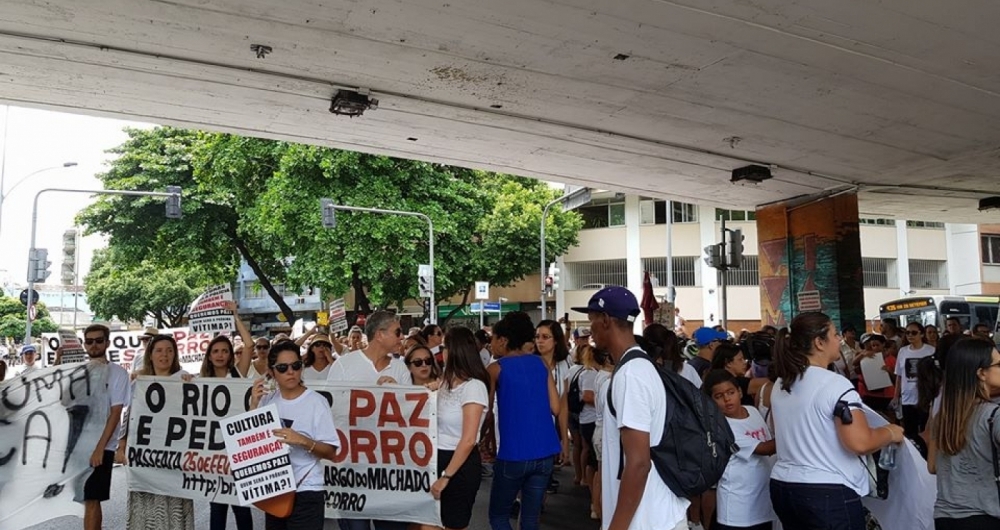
x=898 y=100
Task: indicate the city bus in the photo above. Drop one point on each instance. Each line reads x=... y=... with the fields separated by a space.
x=970 y=310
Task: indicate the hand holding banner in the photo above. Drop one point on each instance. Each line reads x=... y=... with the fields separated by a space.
x=209 y=312
x=259 y=462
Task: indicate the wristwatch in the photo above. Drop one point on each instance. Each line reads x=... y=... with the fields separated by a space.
x=444 y=474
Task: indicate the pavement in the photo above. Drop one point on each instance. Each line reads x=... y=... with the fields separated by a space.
x=567 y=509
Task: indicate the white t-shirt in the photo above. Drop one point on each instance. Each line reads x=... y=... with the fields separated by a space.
x=587 y=382
x=309 y=415
x=809 y=451
x=640 y=402
x=311 y=374
x=25 y=369
x=449 y=410
x=691 y=374
x=744 y=497
x=561 y=373
x=906 y=371
x=600 y=396
x=119 y=393
x=357 y=367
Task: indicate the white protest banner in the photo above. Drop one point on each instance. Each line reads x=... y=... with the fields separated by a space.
x=912 y=489
x=126 y=346
x=72 y=347
x=50 y=423
x=208 y=311
x=383 y=470
x=258 y=460
x=338 y=316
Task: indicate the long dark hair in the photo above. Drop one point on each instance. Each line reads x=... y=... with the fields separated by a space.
x=464 y=362
x=663 y=345
x=310 y=358
x=961 y=392
x=207 y=369
x=724 y=355
x=930 y=371
x=435 y=369
x=794 y=345
x=147 y=364
x=562 y=351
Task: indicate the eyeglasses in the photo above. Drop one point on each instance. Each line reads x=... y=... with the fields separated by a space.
x=283 y=367
x=397 y=332
x=420 y=362
x=260 y=346
x=912 y=332
x=97 y=341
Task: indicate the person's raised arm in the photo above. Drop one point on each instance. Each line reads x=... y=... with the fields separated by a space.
x=312 y=331
x=246 y=355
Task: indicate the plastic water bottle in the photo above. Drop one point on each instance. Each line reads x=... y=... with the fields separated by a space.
x=887 y=460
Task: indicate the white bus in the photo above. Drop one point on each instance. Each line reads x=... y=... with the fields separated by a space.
x=969 y=310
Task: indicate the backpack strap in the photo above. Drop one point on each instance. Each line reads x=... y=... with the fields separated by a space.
x=993 y=447
x=632 y=353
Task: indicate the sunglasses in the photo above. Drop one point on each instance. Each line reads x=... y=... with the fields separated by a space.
x=912 y=332
x=99 y=341
x=283 y=367
x=260 y=346
x=439 y=334
x=420 y=362
x=398 y=332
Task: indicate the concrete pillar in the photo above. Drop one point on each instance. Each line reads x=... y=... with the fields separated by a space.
x=709 y=277
x=633 y=260
x=902 y=258
x=965 y=274
x=810 y=260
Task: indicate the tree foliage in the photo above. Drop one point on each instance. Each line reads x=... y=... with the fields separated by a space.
x=259 y=199
x=146 y=290
x=13 y=315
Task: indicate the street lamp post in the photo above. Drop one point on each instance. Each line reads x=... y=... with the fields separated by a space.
x=569 y=201
x=173 y=211
x=327 y=204
x=3 y=195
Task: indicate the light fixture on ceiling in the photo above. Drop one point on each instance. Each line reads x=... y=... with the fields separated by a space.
x=752 y=174
x=351 y=103
x=989 y=203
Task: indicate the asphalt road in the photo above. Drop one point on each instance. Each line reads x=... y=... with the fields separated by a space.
x=568 y=509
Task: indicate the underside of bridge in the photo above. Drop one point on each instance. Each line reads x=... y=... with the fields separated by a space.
x=897 y=100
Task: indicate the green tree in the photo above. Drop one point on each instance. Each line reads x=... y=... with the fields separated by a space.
x=134 y=293
x=13 y=315
x=259 y=199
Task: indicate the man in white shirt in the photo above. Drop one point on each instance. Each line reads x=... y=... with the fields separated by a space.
x=374 y=365
x=29 y=354
x=639 y=500
x=97 y=488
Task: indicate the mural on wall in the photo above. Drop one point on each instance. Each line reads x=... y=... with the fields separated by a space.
x=811 y=261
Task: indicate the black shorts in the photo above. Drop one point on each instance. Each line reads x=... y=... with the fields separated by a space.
x=460 y=494
x=98 y=485
x=587 y=433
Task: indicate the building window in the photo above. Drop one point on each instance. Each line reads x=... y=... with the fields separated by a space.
x=735 y=215
x=925 y=224
x=747 y=275
x=253 y=290
x=879 y=272
x=991 y=249
x=652 y=211
x=876 y=222
x=685 y=271
x=602 y=214
x=586 y=275
x=928 y=274
x=685 y=213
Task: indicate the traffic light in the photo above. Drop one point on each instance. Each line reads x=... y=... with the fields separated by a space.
x=425 y=281
x=174 y=202
x=734 y=249
x=329 y=213
x=713 y=256
x=38 y=265
x=554 y=274
x=68 y=273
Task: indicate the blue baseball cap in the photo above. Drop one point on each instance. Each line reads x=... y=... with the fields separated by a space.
x=28 y=348
x=705 y=336
x=614 y=301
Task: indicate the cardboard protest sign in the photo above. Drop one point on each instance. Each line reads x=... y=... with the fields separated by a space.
x=208 y=311
x=50 y=423
x=259 y=461
x=383 y=470
x=72 y=347
x=338 y=316
x=126 y=347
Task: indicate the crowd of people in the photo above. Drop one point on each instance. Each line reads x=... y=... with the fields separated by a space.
x=522 y=398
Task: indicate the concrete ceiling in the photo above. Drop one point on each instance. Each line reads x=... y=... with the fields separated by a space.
x=899 y=99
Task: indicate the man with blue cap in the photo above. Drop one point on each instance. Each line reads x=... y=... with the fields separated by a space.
x=28 y=355
x=639 y=499
x=707 y=340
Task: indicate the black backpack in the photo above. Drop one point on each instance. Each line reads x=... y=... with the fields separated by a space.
x=573 y=395
x=696 y=443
